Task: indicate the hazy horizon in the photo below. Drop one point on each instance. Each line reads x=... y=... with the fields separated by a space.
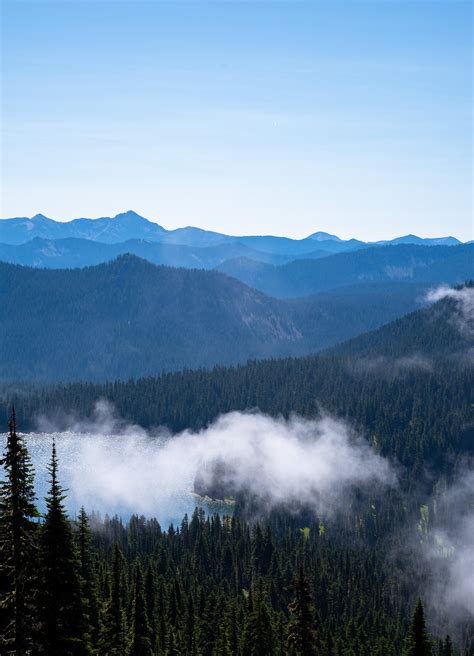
x=248 y=118
x=232 y=233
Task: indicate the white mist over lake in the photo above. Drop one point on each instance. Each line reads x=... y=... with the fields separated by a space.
x=107 y=474
x=111 y=467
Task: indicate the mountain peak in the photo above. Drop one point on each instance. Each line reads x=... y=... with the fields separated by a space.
x=428 y=241
x=39 y=217
x=129 y=215
x=323 y=236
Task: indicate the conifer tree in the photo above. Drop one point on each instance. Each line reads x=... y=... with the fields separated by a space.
x=233 y=628
x=141 y=642
x=88 y=575
x=172 y=648
x=18 y=546
x=259 y=632
x=448 y=647
x=114 y=640
x=223 y=647
x=151 y=598
x=301 y=633
x=417 y=642
x=63 y=629
x=190 y=624
x=207 y=626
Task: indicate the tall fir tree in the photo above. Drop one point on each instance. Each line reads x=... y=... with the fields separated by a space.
x=18 y=547
x=90 y=587
x=259 y=639
x=151 y=603
x=63 y=630
x=114 y=640
x=301 y=639
x=418 y=642
x=141 y=640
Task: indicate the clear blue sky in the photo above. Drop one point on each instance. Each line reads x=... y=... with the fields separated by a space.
x=270 y=117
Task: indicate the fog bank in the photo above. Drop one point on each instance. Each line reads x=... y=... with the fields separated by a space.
x=108 y=465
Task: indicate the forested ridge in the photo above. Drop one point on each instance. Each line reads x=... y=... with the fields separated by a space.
x=409 y=262
x=414 y=416
x=417 y=366
x=287 y=582
x=132 y=318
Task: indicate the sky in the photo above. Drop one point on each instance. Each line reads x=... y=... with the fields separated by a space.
x=243 y=117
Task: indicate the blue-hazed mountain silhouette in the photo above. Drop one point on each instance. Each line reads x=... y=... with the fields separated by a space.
x=402 y=262
x=132 y=318
x=130 y=225
x=273 y=273
x=73 y=252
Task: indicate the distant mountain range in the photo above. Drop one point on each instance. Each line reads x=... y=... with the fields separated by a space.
x=73 y=252
x=132 y=318
x=97 y=307
x=277 y=266
x=130 y=225
x=403 y=262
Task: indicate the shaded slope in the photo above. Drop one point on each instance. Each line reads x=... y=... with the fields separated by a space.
x=425 y=414
x=440 y=330
x=132 y=318
x=77 y=253
x=410 y=263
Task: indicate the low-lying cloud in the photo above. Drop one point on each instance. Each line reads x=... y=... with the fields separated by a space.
x=449 y=553
x=389 y=367
x=459 y=588
x=290 y=462
x=464 y=301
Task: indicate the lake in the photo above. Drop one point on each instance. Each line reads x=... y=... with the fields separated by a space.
x=120 y=474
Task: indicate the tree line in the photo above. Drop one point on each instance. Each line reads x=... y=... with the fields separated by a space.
x=419 y=416
x=212 y=586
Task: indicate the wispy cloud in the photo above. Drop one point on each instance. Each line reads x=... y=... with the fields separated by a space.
x=464 y=303
x=448 y=551
x=280 y=462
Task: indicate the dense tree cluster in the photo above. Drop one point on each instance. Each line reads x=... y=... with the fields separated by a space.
x=417 y=416
x=291 y=584
x=214 y=585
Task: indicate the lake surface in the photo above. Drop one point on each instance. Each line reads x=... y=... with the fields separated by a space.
x=119 y=474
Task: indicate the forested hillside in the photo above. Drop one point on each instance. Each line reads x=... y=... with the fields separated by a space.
x=211 y=586
x=224 y=586
x=131 y=318
x=404 y=262
x=256 y=583
x=446 y=328
x=416 y=409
